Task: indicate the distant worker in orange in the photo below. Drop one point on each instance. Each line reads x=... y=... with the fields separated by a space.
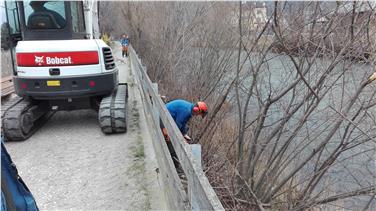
x=124 y=41
x=182 y=111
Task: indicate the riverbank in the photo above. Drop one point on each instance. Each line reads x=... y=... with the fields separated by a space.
x=309 y=49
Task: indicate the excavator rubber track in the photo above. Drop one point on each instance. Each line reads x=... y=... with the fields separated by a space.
x=21 y=118
x=113 y=111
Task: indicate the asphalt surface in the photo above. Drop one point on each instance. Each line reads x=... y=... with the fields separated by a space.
x=70 y=164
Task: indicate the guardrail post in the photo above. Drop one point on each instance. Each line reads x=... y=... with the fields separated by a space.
x=155 y=108
x=196 y=151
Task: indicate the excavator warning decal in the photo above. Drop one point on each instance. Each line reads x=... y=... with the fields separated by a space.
x=57 y=58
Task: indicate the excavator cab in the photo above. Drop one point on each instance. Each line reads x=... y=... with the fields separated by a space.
x=50 y=20
x=60 y=64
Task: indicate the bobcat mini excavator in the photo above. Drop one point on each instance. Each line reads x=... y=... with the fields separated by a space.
x=60 y=64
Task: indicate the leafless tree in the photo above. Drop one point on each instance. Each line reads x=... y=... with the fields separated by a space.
x=304 y=124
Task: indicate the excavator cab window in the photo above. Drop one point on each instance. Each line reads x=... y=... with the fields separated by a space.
x=77 y=12
x=45 y=14
x=12 y=17
x=11 y=31
x=49 y=20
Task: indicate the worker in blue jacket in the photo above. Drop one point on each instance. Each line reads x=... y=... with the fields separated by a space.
x=124 y=41
x=182 y=111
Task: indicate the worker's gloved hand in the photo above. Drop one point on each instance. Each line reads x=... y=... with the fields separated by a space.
x=187 y=139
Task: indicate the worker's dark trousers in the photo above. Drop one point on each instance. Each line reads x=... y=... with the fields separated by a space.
x=125 y=51
x=173 y=154
x=170 y=147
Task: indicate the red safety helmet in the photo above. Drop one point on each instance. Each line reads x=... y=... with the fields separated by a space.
x=201 y=108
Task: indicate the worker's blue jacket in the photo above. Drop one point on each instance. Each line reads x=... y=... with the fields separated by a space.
x=124 y=42
x=181 y=112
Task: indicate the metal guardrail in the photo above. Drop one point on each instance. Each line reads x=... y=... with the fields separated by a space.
x=201 y=195
x=7 y=87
